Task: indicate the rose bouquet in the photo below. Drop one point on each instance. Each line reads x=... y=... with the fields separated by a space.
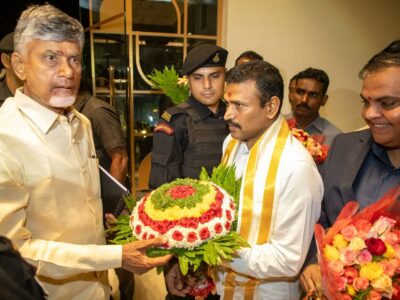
x=317 y=150
x=168 y=80
x=196 y=216
x=359 y=255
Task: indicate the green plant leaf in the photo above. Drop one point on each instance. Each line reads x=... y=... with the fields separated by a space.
x=167 y=81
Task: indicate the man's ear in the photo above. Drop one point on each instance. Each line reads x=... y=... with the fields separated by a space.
x=18 y=65
x=324 y=100
x=273 y=107
x=6 y=60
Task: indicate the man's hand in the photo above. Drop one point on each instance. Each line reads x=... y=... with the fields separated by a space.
x=134 y=257
x=175 y=281
x=310 y=278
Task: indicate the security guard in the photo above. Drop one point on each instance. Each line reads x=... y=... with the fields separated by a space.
x=9 y=82
x=190 y=135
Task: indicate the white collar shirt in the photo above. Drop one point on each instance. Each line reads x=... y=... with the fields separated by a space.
x=50 y=198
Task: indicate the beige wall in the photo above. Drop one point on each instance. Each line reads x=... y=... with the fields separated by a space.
x=338 y=36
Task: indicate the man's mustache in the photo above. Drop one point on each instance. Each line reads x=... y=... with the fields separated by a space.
x=302 y=105
x=230 y=122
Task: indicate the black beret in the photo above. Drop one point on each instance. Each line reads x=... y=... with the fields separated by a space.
x=205 y=55
x=7 y=43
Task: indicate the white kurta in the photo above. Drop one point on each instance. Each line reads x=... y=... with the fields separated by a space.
x=50 y=199
x=297 y=205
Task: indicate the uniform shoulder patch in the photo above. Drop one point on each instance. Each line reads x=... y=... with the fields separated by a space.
x=164 y=127
x=166 y=116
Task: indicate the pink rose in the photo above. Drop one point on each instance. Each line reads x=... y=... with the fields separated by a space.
x=339 y=283
x=349 y=232
x=350 y=273
x=363 y=227
x=389 y=267
x=364 y=257
x=360 y=283
x=374 y=295
x=383 y=224
x=348 y=257
x=397 y=250
x=391 y=238
x=336 y=267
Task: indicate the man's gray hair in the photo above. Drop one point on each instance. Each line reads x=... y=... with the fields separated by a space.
x=388 y=57
x=45 y=22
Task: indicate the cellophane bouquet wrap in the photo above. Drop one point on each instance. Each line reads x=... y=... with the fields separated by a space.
x=359 y=255
x=197 y=217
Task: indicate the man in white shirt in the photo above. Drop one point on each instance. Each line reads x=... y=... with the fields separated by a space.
x=281 y=191
x=49 y=180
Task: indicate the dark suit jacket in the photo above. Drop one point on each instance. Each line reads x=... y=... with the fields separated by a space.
x=346 y=155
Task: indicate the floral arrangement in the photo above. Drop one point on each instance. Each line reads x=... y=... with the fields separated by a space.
x=168 y=80
x=359 y=255
x=197 y=217
x=318 y=152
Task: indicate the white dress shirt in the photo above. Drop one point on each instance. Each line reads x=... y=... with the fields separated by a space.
x=297 y=206
x=50 y=198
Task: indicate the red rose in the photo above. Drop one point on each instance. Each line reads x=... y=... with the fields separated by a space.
x=151 y=236
x=218 y=228
x=215 y=205
x=205 y=218
x=204 y=233
x=177 y=235
x=161 y=227
x=219 y=196
x=228 y=215
x=138 y=229
x=227 y=226
x=375 y=246
x=232 y=205
x=192 y=237
x=218 y=212
x=144 y=236
x=184 y=222
x=193 y=223
x=181 y=191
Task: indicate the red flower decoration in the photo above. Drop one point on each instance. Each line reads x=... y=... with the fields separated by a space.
x=181 y=191
x=202 y=288
x=138 y=229
x=218 y=228
x=151 y=236
x=177 y=235
x=161 y=227
x=228 y=226
x=191 y=237
x=232 y=205
x=375 y=246
x=144 y=236
x=229 y=215
x=204 y=233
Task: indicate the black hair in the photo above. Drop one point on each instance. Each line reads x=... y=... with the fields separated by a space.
x=252 y=55
x=268 y=80
x=388 y=57
x=316 y=74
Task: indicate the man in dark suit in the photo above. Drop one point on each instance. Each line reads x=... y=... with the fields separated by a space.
x=364 y=165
